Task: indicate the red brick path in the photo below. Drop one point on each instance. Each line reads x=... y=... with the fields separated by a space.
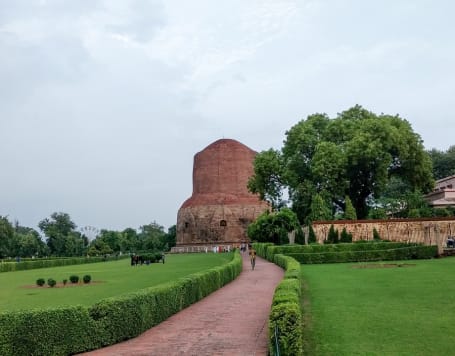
x=231 y=321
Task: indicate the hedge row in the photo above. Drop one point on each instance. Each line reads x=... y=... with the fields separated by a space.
x=286 y=316
x=70 y=330
x=402 y=253
x=317 y=248
x=44 y=263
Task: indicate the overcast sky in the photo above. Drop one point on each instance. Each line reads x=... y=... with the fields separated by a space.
x=103 y=104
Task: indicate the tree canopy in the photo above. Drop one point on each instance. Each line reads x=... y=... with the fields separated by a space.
x=443 y=162
x=354 y=154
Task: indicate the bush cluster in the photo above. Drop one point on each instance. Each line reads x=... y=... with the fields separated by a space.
x=70 y=330
x=286 y=316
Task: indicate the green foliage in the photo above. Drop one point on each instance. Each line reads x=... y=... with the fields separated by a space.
x=376 y=236
x=404 y=253
x=74 y=279
x=311 y=235
x=62 y=238
x=273 y=227
x=40 y=282
x=319 y=209
x=51 y=282
x=65 y=281
x=345 y=237
x=352 y=252
x=354 y=154
x=86 y=278
x=71 y=330
x=443 y=162
x=332 y=236
x=6 y=237
x=286 y=316
x=267 y=178
x=349 y=210
x=50 y=262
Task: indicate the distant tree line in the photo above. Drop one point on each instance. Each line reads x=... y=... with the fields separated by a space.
x=61 y=239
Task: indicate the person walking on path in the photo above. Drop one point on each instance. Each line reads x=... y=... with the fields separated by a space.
x=216 y=325
x=252 y=254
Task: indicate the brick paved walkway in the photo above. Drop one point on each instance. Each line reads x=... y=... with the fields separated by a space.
x=231 y=321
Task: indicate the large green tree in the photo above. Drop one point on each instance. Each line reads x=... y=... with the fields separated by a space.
x=354 y=154
x=58 y=229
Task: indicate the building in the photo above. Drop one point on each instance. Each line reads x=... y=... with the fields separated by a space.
x=443 y=194
x=221 y=207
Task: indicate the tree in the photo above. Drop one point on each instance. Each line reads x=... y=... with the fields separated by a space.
x=443 y=162
x=152 y=237
x=319 y=209
x=273 y=227
x=267 y=180
x=345 y=236
x=57 y=228
x=311 y=235
x=28 y=242
x=171 y=237
x=349 y=210
x=354 y=154
x=6 y=237
x=332 y=236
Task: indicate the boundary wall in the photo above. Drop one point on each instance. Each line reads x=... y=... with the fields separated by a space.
x=427 y=231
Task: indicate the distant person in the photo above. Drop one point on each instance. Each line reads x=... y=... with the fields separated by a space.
x=252 y=253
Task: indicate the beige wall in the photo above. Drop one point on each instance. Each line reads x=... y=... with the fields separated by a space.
x=427 y=231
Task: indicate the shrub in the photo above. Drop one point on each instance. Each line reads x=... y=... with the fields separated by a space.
x=40 y=282
x=376 y=236
x=51 y=282
x=286 y=315
x=87 y=278
x=65 y=281
x=345 y=236
x=74 y=279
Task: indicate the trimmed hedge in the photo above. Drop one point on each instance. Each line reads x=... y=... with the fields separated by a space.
x=401 y=253
x=44 y=263
x=286 y=316
x=71 y=330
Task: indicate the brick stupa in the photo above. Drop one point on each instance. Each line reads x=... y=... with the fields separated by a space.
x=221 y=206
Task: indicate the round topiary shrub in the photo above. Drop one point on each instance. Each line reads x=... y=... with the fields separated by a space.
x=87 y=278
x=74 y=279
x=65 y=281
x=40 y=282
x=51 y=282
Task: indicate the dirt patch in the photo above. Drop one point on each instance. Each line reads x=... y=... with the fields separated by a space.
x=384 y=265
x=61 y=285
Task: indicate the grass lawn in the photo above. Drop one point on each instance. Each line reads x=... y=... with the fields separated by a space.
x=380 y=311
x=115 y=278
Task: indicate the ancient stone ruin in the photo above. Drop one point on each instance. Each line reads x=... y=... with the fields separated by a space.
x=221 y=207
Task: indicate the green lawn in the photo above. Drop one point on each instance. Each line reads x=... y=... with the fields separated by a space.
x=380 y=311
x=115 y=278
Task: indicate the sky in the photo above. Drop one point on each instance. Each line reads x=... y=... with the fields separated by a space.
x=104 y=103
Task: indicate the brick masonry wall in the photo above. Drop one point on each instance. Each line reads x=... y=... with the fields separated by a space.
x=426 y=231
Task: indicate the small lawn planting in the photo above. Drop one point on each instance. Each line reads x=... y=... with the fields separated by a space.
x=383 y=308
x=108 y=279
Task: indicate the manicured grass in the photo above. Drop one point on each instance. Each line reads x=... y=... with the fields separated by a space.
x=380 y=311
x=117 y=277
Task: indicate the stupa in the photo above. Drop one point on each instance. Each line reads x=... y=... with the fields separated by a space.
x=221 y=207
